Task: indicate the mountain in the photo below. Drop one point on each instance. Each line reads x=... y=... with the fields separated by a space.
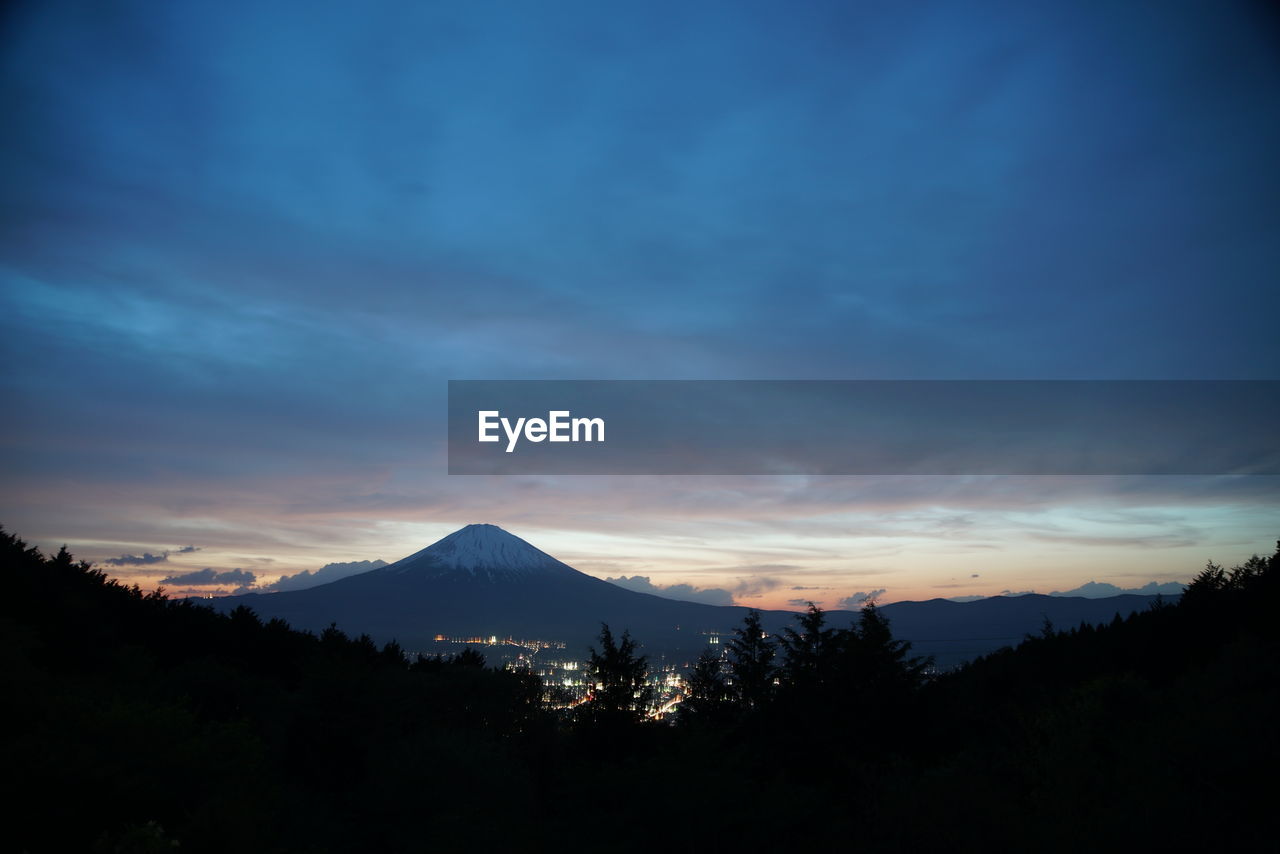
x=954 y=632
x=481 y=581
x=482 y=553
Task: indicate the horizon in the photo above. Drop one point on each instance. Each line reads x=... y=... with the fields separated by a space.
x=188 y=563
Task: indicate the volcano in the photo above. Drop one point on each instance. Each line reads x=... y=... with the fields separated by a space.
x=481 y=581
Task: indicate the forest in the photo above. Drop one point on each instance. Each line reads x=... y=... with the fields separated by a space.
x=139 y=723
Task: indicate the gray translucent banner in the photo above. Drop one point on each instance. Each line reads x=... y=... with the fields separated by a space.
x=867 y=427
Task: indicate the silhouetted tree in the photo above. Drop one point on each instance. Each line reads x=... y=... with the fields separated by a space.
x=807 y=653
x=879 y=662
x=751 y=663
x=708 y=696
x=617 y=675
x=333 y=638
x=469 y=657
x=427 y=663
x=393 y=654
x=1211 y=581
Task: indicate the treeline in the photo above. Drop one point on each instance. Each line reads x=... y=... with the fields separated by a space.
x=136 y=722
x=831 y=677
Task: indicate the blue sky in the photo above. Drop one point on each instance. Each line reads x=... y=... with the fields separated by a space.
x=245 y=245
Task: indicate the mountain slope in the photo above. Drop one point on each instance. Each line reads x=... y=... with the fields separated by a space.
x=482 y=581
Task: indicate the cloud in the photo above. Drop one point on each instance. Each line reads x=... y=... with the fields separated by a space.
x=1103 y=589
x=859 y=599
x=323 y=575
x=975 y=575
x=798 y=603
x=1161 y=539
x=971 y=598
x=137 y=560
x=208 y=575
x=754 y=588
x=113 y=303
x=147 y=557
x=681 y=592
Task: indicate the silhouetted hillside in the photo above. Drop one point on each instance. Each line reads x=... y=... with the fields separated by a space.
x=136 y=721
x=140 y=719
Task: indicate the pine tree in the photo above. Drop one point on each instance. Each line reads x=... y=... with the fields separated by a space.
x=879 y=662
x=751 y=656
x=617 y=674
x=806 y=653
x=707 y=697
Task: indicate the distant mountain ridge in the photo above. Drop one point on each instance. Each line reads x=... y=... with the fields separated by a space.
x=481 y=581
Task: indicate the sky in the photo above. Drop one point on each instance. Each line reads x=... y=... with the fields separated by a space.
x=244 y=246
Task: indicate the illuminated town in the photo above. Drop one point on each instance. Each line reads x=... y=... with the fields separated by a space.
x=565 y=680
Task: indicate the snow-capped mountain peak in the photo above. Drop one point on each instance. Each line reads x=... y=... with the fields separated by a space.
x=483 y=551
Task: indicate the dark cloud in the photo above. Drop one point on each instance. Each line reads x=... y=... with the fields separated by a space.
x=147 y=557
x=682 y=592
x=557 y=242
x=754 y=588
x=323 y=575
x=137 y=560
x=205 y=273
x=798 y=603
x=859 y=599
x=240 y=577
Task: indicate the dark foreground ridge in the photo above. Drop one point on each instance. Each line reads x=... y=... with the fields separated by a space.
x=136 y=722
